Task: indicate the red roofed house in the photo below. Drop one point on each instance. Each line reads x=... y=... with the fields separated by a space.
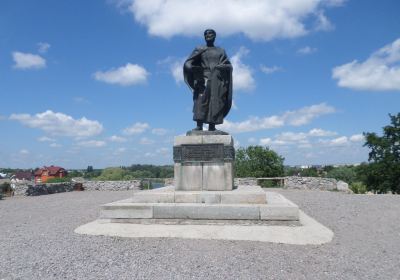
x=48 y=172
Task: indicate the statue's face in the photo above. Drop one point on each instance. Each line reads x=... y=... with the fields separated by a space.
x=209 y=36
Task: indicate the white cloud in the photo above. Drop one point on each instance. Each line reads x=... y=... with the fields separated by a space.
x=292 y=137
x=335 y=3
x=298 y=117
x=380 y=72
x=117 y=139
x=130 y=74
x=60 y=124
x=28 y=61
x=92 y=144
x=46 y=139
x=323 y=22
x=24 y=152
x=259 y=20
x=175 y=66
x=252 y=140
x=242 y=73
x=146 y=141
x=357 y=138
x=306 y=50
x=163 y=151
x=269 y=70
x=159 y=131
x=265 y=141
x=136 y=128
x=43 y=47
x=317 y=132
x=306 y=114
x=340 y=141
x=119 y=151
x=55 y=145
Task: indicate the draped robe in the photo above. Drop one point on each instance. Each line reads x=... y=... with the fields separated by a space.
x=208 y=72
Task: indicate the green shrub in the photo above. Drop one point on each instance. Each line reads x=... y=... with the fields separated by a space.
x=58 y=180
x=257 y=161
x=358 y=187
x=343 y=173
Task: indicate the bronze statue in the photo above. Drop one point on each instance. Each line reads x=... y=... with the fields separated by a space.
x=208 y=72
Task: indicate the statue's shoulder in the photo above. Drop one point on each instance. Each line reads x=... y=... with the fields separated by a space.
x=200 y=48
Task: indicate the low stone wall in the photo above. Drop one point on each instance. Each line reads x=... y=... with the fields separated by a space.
x=244 y=181
x=315 y=183
x=20 y=189
x=111 y=185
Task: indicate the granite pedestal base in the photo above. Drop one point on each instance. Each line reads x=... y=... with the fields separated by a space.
x=244 y=203
x=204 y=162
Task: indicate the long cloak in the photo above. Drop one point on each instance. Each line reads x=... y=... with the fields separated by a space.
x=212 y=97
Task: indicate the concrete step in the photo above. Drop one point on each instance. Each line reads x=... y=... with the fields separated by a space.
x=277 y=208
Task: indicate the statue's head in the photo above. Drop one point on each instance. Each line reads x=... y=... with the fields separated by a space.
x=209 y=35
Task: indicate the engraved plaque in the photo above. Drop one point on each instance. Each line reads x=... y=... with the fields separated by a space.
x=203 y=152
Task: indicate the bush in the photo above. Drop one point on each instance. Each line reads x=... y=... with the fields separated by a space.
x=257 y=161
x=343 y=173
x=58 y=180
x=358 y=187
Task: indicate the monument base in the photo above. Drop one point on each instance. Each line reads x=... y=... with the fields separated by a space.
x=204 y=162
x=244 y=203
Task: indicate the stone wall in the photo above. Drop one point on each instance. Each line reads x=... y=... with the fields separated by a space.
x=245 y=182
x=111 y=185
x=315 y=183
x=20 y=189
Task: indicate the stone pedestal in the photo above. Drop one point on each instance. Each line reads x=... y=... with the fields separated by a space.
x=204 y=163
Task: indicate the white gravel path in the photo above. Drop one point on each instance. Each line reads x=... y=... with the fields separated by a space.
x=37 y=241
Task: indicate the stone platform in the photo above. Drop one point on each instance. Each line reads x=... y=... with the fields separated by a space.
x=243 y=203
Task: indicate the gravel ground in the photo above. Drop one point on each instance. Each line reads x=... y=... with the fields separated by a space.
x=37 y=242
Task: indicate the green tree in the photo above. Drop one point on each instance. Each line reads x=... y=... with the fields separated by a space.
x=383 y=172
x=112 y=174
x=344 y=173
x=257 y=161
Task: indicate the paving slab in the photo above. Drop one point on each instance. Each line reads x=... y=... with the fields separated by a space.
x=310 y=231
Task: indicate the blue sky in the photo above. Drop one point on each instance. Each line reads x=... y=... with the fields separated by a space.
x=99 y=82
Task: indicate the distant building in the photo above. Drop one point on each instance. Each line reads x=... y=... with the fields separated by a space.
x=48 y=172
x=21 y=176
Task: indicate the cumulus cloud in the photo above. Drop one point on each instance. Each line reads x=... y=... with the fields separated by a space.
x=55 y=145
x=136 y=128
x=323 y=22
x=28 y=61
x=146 y=141
x=163 y=151
x=242 y=73
x=269 y=70
x=24 y=152
x=298 y=117
x=60 y=124
x=317 y=132
x=159 y=131
x=130 y=74
x=357 y=138
x=43 y=47
x=380 y=72
x=259 y=20
x=340 y=141
x=117 y=139
x=92 y=144
x=306 y=50
x=175 y=66
x=46 y=139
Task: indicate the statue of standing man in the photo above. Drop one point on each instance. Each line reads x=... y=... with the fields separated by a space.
x=208 y=72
